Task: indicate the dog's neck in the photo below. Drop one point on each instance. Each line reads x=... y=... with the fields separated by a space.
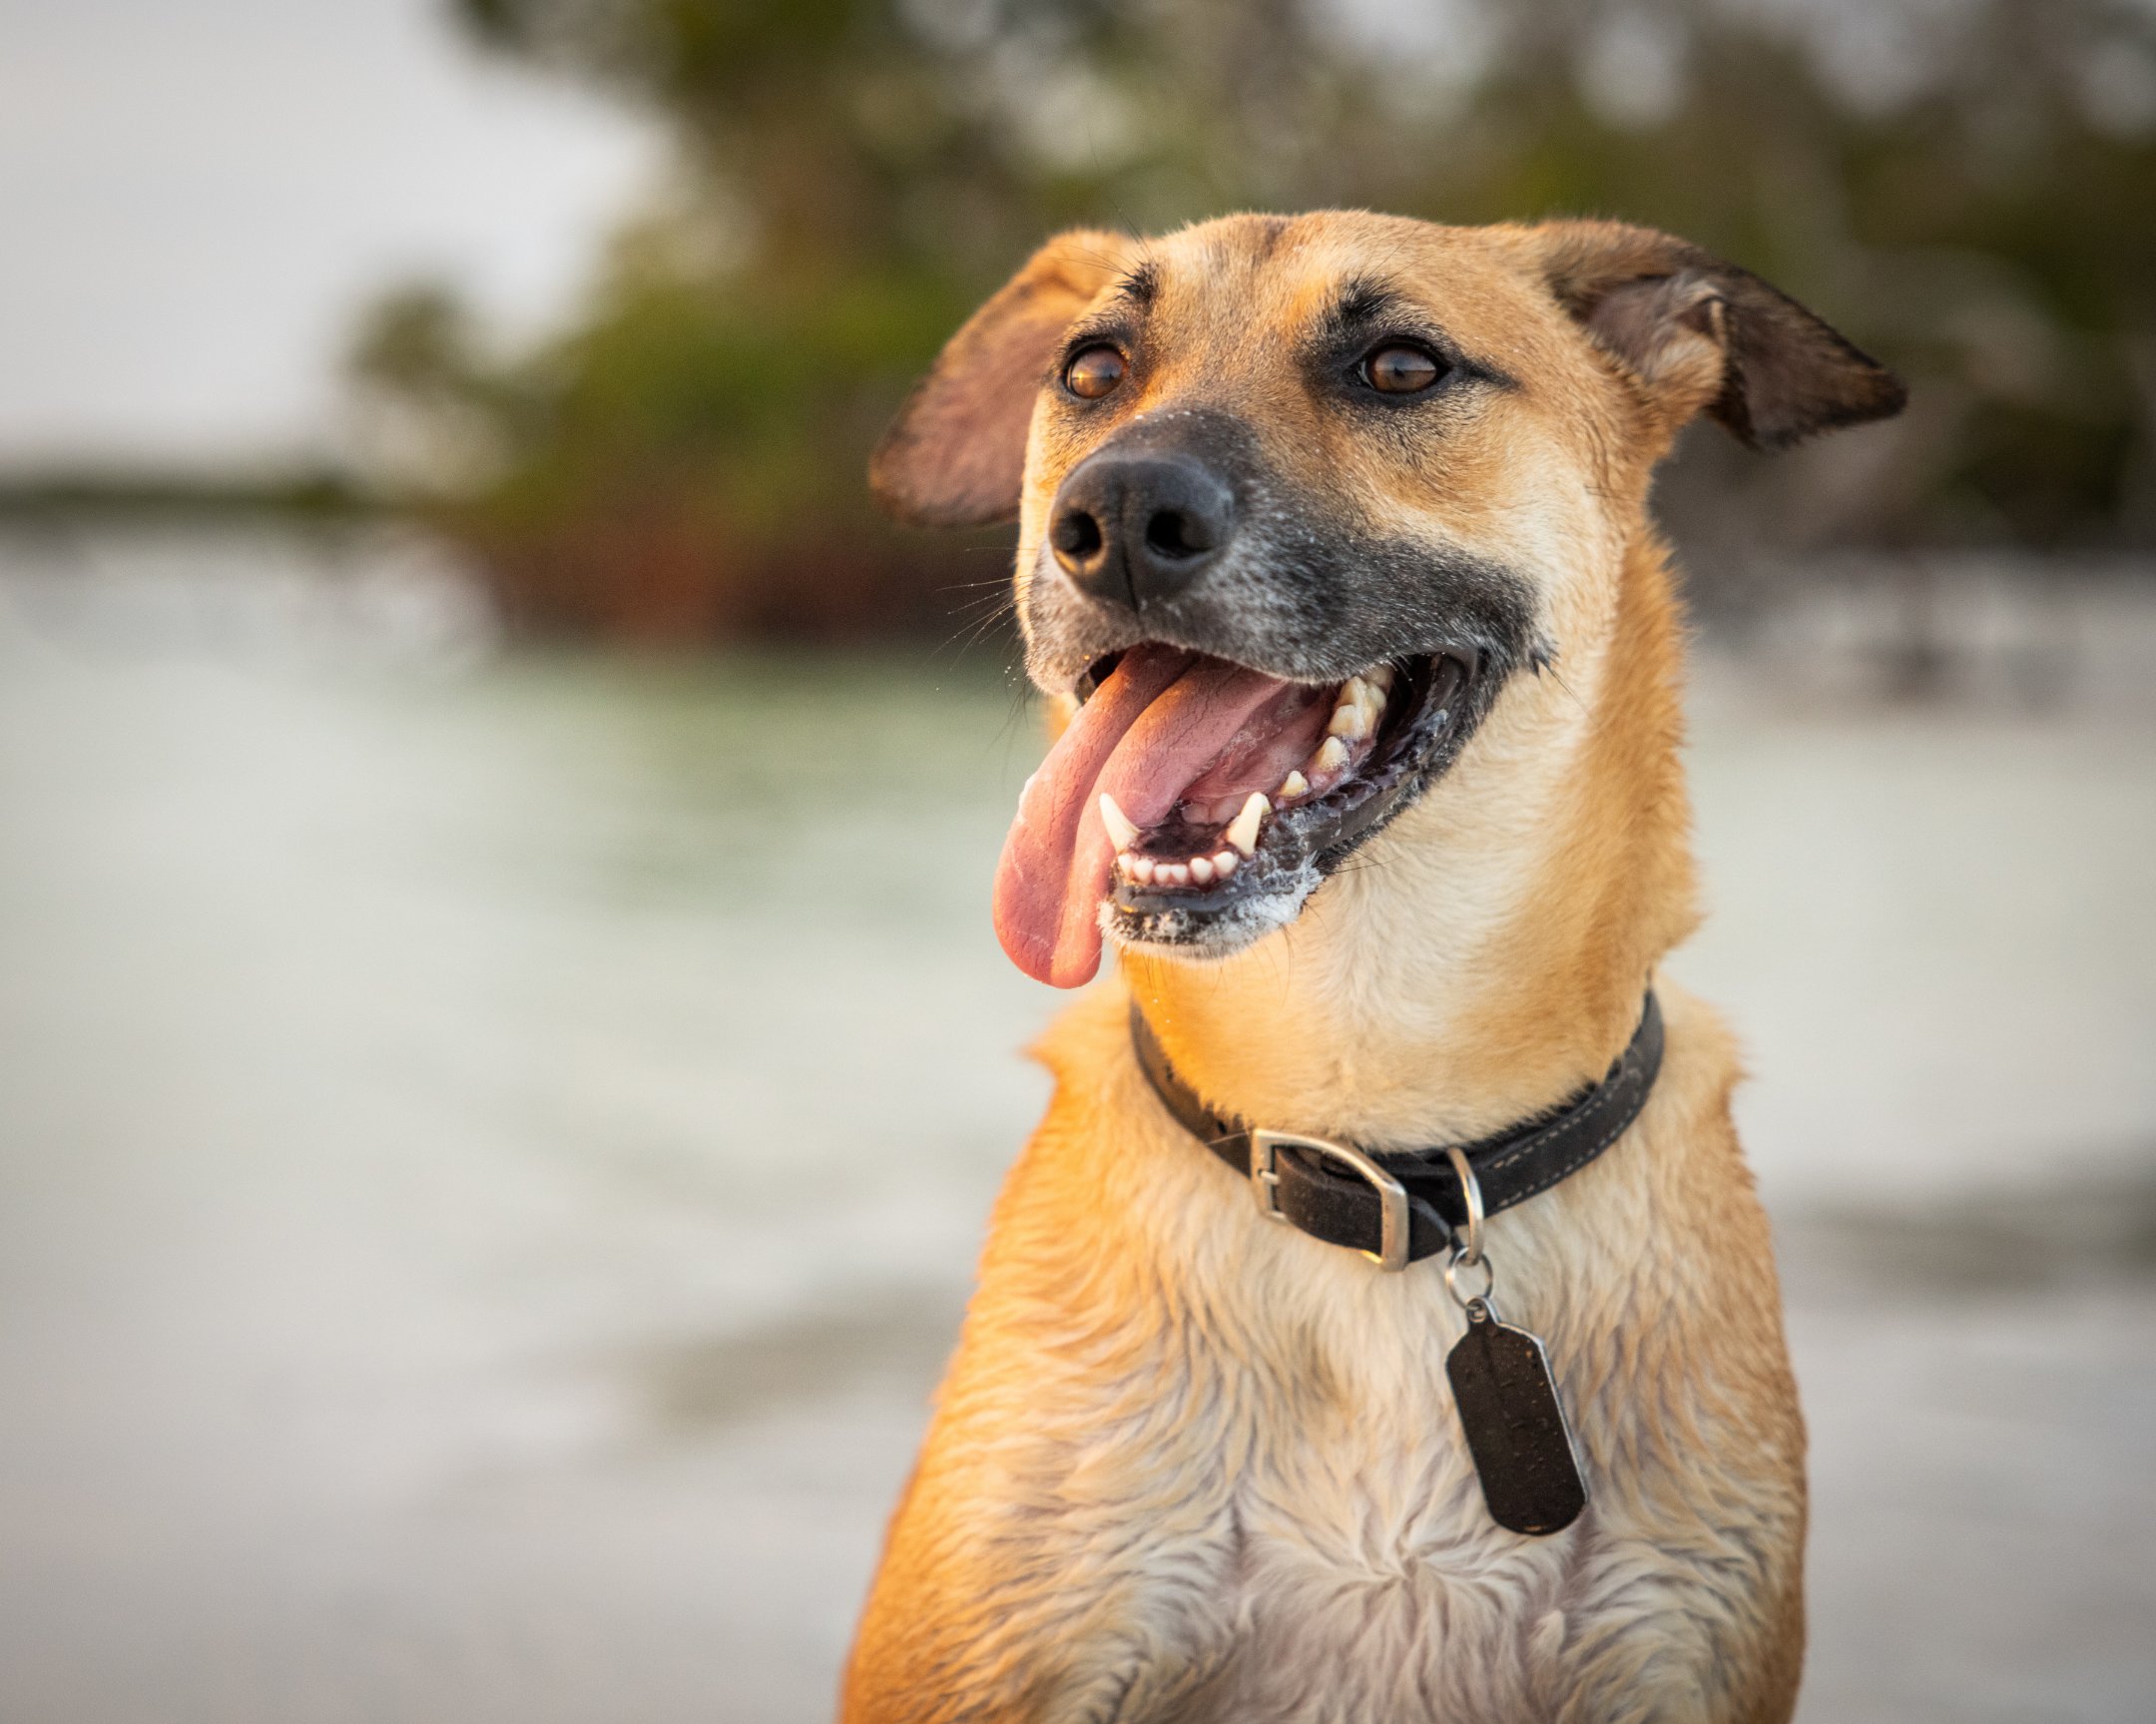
x=1484 y=957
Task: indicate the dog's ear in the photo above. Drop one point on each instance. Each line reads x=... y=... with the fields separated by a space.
x=955 y=456
x=1700 y=334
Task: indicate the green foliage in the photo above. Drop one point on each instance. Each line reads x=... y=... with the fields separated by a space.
x=1968 y=191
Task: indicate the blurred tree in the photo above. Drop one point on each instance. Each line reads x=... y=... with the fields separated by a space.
x=1968 y=188
x=430 y=412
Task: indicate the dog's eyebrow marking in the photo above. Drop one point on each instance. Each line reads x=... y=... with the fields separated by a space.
x=1362 y=301
x=1140 y=285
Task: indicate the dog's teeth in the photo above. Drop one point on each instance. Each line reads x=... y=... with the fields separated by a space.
x=1330 y=757
x=1350 y=720
x=1379 y=678
x=1141 y=869
x=1201 y=870
x=1172 y=873
x=1224 y=863
x=1292 y=786
x=1122 y=831
x=1243 y=831
x=1127 y=865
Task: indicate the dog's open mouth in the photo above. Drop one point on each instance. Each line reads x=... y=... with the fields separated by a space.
x=1202 y=801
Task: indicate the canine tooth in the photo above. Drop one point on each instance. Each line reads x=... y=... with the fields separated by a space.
x=1332 y=755
x=1141 y=869
x=1200 y=868
x=1224 y=863
x=1122 y=831
x=1292 y=786
x=1242 y=831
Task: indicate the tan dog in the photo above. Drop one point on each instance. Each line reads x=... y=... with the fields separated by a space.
x=1340 y=523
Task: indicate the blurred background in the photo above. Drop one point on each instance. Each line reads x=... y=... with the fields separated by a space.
x=503 y=1062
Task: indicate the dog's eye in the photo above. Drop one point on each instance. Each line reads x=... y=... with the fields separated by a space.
x=1398 y=369
x=1094 y=372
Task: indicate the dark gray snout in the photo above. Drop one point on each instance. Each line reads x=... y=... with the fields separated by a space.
x=1135 y=529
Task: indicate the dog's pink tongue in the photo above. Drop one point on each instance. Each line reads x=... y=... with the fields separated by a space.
x=1148 y=730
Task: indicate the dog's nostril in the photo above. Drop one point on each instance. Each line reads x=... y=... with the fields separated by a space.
x=1172 y=533
x=1076 y=535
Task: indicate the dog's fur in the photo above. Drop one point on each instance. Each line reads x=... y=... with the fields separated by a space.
x=1190 y=1465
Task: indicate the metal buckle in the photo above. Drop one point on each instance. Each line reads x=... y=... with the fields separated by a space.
x=1265 y=1147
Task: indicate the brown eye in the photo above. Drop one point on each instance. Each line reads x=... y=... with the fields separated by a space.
x=1398 y=370
x=1094 y=372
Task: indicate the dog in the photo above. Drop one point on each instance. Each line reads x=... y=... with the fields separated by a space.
x=1335 y=563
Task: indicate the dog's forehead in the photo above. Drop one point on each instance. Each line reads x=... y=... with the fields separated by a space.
x=1219 y=281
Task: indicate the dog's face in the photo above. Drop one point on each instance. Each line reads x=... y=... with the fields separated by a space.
x=1298 y=499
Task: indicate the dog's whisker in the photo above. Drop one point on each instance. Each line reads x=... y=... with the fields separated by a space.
x=972 y=631
x=1557 y=676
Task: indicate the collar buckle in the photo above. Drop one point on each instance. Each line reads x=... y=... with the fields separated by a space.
x=1265 y=1147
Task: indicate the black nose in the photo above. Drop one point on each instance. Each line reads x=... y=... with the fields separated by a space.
x=1136 y=529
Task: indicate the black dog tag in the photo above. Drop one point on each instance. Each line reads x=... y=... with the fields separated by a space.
x=1515 y=1427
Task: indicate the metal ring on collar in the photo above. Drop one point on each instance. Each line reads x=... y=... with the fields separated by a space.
x=1467 y=1251
x=1468 y=1301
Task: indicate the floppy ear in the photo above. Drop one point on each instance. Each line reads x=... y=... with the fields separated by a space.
x=1704 y=335
x=955 y=456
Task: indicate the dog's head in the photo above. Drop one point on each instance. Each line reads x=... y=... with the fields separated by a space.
x=1298 y=500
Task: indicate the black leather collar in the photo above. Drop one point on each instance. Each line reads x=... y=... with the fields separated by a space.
x=1400 y=1208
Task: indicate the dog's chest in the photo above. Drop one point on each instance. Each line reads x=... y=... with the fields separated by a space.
x=1361 y=1578
x=1369 y=1583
